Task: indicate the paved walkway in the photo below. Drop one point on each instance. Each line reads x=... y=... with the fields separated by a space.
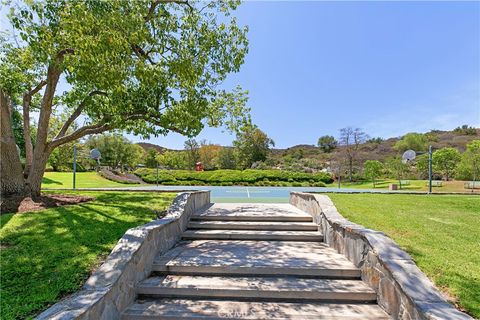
x=253 y=261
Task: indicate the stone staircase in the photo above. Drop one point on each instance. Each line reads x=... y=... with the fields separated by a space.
x=246 y=261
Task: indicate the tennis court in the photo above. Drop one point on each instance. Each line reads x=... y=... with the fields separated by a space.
x=243 y=194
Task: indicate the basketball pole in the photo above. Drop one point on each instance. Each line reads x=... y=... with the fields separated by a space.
x=430 y=173
x=74 y=164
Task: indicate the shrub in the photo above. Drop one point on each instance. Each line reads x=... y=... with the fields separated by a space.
x=234 y=177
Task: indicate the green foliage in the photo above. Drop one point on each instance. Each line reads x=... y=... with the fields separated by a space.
x=192 y=147
x=445 y=161
x=209 y=154
x=116 y=150
x=147 y=68
x=173 y=159
x=136 y=155
x=327 y=143
x=19 y=71
x=49 y=254
x=421 y=165
x=152 y=158
x=469 y=166
x=440 y=232
x=377 y=140
x=226 y=158
x=465 y=130
x=61 y=159
x=412 y=141
x=233 y=177
x=373 y=169
x=17 y=127
x=397 y=168
x=157 y=64
x=251 y=145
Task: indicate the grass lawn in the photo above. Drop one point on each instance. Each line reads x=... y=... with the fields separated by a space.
x=442 y=233
x=48 y=254
x=415 y=185
x=64 y=180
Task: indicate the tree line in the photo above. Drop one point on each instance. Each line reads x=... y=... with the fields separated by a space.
x=251 y=146
x=447 y=162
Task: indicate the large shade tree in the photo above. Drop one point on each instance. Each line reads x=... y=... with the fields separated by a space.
x=146 y=67
x=445 y=161
x=251 y=145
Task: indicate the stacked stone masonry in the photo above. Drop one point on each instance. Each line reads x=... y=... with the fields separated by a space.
x=402 y=289
x=111 y=288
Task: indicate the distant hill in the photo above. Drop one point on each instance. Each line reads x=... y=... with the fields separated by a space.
x=310 y=156
x=146 y=146
x=303 y=156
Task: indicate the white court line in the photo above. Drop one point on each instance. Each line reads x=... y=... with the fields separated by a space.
x=248 y=193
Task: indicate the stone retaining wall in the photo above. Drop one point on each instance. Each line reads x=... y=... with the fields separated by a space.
x=111 y=288
x=402 y=289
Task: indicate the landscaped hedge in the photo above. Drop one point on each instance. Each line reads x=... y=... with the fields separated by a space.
x=248 y=177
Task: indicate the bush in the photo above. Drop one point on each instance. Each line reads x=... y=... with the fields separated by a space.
x=247 y=177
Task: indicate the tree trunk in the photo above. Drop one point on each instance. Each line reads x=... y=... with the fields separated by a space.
x=350 y=168
x=42 y=149
x=11 y=172
x=26 y=132
x=33 y=183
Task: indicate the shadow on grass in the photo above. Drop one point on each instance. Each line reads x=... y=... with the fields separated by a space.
x=50 y=181
x=469 y=298
x=53 y=252
x=4 y=218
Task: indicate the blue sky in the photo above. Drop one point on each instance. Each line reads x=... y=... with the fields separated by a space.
x=387 y=67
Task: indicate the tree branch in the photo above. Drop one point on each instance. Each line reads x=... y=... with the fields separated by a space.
x=77 y=112
x=139 y=52
x=179 y=2
x=149 y=15
x=27 y=99
x=39 y=86
x=63 y=52
x=80 y=133
x=206 y=6
x=155 y=3
x=151 y=119
x=105 y=126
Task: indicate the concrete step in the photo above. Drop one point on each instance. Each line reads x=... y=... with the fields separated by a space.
x=253 y=218
x=253 y=225
x=279 y=288
x=229 y=309
x=262 y=258
x=252 y=235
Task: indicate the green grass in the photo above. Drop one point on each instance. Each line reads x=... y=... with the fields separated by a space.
x=48 y=254
x=442 y=233
x=415 y=185
x=64 y=180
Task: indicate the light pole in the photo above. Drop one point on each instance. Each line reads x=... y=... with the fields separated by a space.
x=430 y=173
x=74 y=165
